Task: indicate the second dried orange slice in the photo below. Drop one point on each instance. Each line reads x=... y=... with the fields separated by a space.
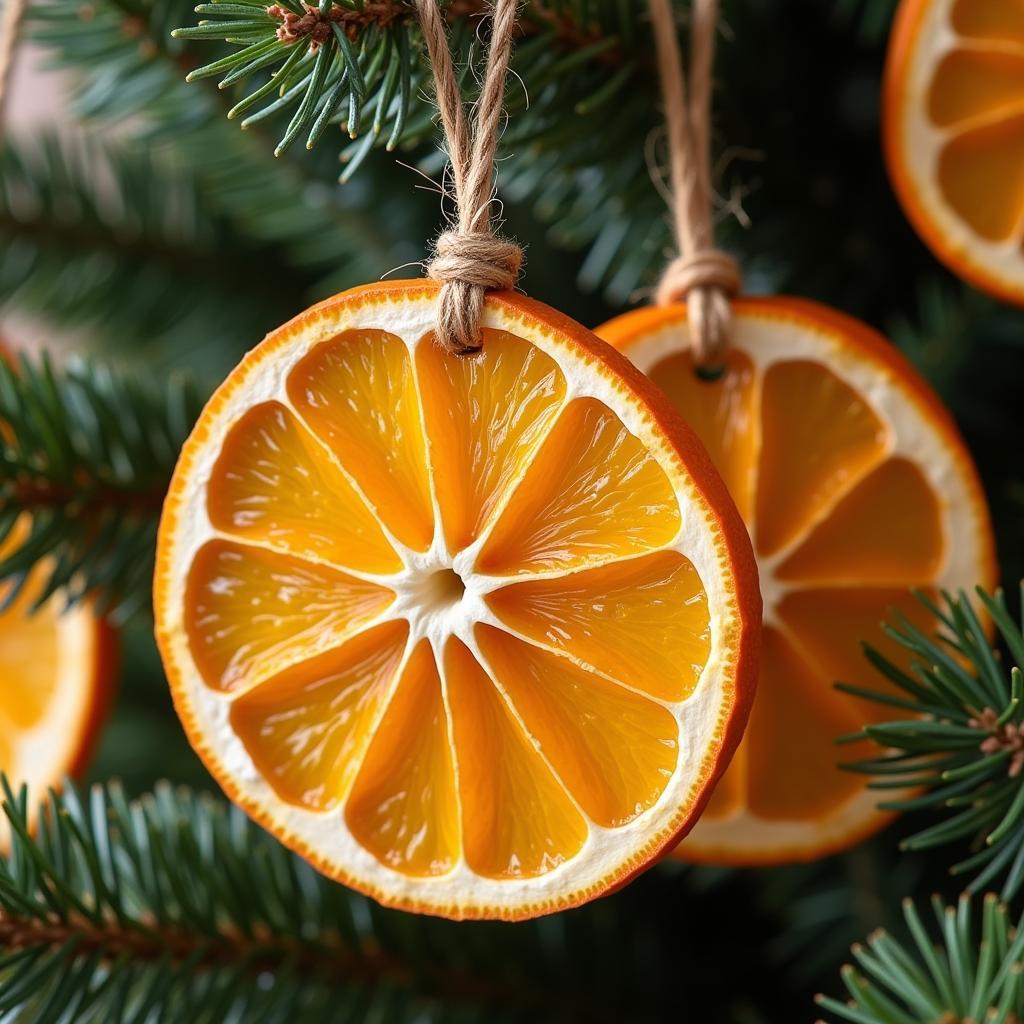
x=856 y=487
x=58 y=667
x=475 y=635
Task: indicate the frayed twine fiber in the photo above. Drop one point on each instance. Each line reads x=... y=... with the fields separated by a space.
x=470 y=259
x=704 y=277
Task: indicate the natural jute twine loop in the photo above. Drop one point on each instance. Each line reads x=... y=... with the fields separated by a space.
x=470 y=259
x=10 y=23
x=704 y=277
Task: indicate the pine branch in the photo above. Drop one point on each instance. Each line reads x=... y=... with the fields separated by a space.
x=108 y=238
x=583 y=93
x=320 y=238
x=975 y=973
x=88 y=454
x=176 y=907
x=360 y=64
x=962 y=740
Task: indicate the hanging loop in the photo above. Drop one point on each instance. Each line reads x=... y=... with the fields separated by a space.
x=702 y=276
x=470 y=259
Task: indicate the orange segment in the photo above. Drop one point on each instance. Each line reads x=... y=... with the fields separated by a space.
x=819 y=436
x=593 y=493
x=723 y=414
x=518 y=821
x=975 y=83
x=831 y=625
x=615 y=751
x=403 y=806
x=887 y=530
x=250 y=613
x=797 y=717
x=486 y=415
x=273 y=484
x=997 y=20
x=307 y=728
x=597 y=615
x=981 y=173
x=358 y=393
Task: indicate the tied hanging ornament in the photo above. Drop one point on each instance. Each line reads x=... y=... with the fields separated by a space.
x=849 y=473
x=952 y=102
x=449 y=598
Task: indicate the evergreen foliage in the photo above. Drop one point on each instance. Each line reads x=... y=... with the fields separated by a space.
x=975 y=972
x=961 y=740
x=178 y=239
x=86 y=454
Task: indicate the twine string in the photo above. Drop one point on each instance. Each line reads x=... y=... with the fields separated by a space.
x=10 y=25
x=703 y=277
x=470 y=259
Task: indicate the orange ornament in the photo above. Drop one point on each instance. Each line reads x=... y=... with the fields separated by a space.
x=855 y=486
x=953 y=115
x=475 y=635
x=58 y=670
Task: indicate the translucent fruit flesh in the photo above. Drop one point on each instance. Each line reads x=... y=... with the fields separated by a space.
x=54 y=665
x=501 y=758
x=29 y=656
x=976 y=96
x=845 y=529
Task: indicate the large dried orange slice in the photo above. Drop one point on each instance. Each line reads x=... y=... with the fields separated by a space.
x=474 y=635
x=954 y=134
x=57 y=668
x=855 y=487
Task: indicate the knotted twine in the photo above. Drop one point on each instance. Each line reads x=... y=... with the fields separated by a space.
x=469 y=259
x=701 y=275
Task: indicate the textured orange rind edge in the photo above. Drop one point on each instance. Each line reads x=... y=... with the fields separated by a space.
x=624 y=331
x=737 y=556
x=902 y=42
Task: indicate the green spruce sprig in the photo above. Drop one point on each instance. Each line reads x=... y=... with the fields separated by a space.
x=974 y=974
x=359 y=64
x=86 y=454
x=175 y=907
x=960 y=746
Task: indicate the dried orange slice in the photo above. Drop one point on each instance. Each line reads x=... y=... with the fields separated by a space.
x=474 y=635
x=954 y=134
x=58 y=669
x=856 y=486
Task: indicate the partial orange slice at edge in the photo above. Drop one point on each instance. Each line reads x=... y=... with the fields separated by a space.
x=953 y=133
x=58 y=669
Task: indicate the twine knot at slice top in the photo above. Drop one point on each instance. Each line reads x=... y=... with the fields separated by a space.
x=706 y=280
x=476 y=258
x=469 y=264
x=470 y=259
x=703 y=269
